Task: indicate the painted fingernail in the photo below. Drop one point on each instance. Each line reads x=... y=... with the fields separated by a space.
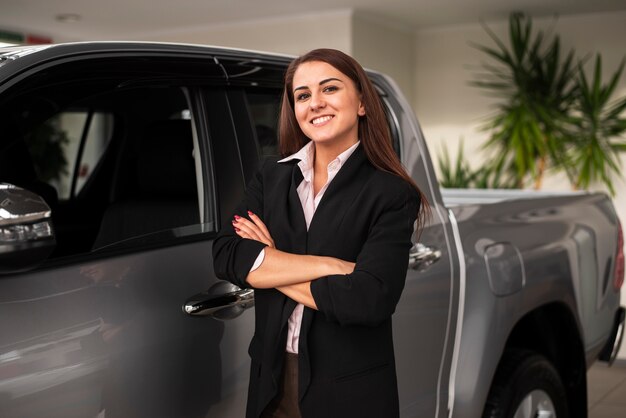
x=237 y=217
x=250 y=213
x=237 y=229
x=234 y=222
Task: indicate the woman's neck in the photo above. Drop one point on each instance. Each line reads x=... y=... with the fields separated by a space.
x=325 y=153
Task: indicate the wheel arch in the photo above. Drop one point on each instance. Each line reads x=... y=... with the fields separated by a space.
x=552 y=331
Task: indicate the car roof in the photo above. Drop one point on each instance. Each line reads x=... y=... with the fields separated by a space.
x=15 y=52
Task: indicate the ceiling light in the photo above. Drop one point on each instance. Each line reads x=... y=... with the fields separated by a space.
x=68 y=17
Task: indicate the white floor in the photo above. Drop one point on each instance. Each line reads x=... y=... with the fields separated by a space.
x=606 y=390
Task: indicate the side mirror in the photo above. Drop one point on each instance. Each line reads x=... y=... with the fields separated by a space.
x=26 y=235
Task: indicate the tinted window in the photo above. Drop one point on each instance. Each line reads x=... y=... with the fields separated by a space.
x=264 y=109
x=153 y=183
x=67 y=147
x=114 y=155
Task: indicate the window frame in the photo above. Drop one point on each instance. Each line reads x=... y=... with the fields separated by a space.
x=208 y=197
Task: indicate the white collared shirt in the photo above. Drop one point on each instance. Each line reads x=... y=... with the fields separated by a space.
x=309 y=202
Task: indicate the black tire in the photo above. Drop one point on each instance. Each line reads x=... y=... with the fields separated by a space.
x=526 y=377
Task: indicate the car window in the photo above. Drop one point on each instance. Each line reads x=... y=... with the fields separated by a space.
x=117 y=159
x=67 y=147
x=264 y=108
x=152 y=182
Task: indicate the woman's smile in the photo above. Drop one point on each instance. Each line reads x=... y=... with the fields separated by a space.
x=321 y=120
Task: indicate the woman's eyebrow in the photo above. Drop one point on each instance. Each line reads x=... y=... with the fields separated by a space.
x=326 y=80
x=329 y=80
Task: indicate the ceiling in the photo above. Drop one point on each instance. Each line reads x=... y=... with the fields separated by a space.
x=117 y=19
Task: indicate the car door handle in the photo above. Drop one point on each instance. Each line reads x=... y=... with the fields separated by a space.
x=219 y=304
x=421 y=256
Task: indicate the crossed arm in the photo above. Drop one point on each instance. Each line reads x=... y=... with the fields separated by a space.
x=290 y=274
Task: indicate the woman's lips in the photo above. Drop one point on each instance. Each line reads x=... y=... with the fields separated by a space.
x=321 y=120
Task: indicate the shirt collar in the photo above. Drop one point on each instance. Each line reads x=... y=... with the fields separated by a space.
x=306 y=155
x=307 y=152
x=343 y=157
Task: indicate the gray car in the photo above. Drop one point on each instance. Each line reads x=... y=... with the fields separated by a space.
x=119 y=161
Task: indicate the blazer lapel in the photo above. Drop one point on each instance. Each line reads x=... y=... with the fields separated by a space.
x=285 y=214
x=295 y=211
x=337 y=199
x=298 y=232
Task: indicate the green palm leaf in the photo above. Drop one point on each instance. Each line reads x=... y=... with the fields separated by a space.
x=600 y=127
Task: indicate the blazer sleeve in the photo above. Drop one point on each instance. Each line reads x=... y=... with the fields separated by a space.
x=369 y=295
x=233 y=256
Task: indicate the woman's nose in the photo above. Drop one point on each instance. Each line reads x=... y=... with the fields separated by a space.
x=316 y=102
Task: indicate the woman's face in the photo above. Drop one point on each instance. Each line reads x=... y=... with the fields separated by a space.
x=327 y=104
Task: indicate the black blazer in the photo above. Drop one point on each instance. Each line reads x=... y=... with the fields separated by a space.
x=346 y=359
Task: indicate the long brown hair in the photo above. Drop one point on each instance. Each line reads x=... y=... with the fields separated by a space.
x=373 y=129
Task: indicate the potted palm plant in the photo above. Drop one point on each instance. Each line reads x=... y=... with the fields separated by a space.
x=549 y=115
x=537 y=88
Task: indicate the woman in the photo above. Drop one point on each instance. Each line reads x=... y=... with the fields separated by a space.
x=323 y=236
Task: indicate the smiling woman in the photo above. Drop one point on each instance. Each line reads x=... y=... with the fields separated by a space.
x=323 y=236
x=327 y=107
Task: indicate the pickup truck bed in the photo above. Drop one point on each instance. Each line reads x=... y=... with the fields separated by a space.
x=539 y=276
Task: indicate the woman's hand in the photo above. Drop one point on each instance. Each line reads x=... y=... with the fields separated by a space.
x=253 y=229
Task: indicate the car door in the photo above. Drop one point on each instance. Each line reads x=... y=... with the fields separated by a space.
x=425 y=318
x=99 y=330
x=241 y=128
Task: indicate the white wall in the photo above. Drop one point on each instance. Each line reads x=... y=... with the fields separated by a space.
x=376 y=43
x=386 y=47
x=293 y=35
x=449 y=108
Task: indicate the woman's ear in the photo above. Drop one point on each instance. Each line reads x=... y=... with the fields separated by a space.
x=361 y=111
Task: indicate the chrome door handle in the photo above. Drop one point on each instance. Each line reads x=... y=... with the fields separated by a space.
x=421 y=256
x=218 y=304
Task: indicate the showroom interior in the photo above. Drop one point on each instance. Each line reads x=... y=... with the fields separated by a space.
x=429 y=47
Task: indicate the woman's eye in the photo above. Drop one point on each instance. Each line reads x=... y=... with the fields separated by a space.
x=330 y=89
x=302 y=96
